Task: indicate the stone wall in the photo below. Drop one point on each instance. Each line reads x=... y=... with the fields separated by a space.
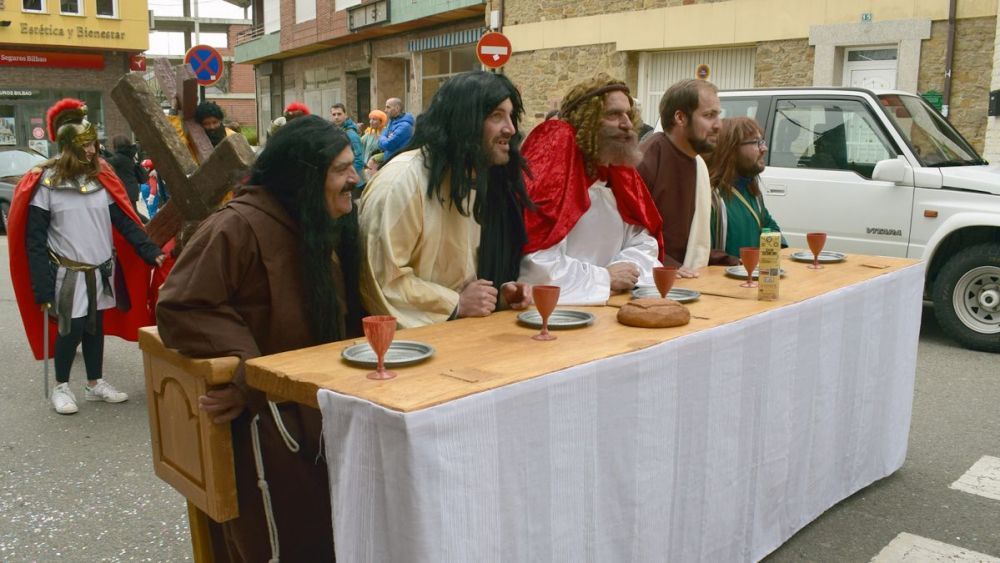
x=521 y=12
x=991 y=151
x=394 y=71
x=784 y=64
x=970 y=83
x=544 y=76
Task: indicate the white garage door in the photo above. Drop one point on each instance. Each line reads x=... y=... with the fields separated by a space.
x=729 y=69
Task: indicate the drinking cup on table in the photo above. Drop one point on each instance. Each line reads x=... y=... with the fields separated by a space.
x=664 y=277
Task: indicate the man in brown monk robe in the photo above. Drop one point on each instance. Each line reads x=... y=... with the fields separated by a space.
x=257 y=279
x=678 y=178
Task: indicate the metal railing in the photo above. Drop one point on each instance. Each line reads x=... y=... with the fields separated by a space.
x=249 y=34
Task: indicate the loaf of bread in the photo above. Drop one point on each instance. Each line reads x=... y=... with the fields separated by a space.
x=651 y=312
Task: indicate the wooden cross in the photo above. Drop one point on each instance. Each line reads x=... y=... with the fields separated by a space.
x=180 y=86
x=195 y=190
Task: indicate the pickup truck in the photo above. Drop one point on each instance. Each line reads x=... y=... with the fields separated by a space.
x=884 y=173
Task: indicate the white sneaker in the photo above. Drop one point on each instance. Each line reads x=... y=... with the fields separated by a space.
x=103 y=391
x=63 y=399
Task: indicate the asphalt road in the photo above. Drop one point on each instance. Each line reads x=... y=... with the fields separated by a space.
x=82 y=488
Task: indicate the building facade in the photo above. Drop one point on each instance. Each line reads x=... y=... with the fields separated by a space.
x=237 y=98
x=321 y=52
x=897 y=44
x=51 y=49
x=234 y=91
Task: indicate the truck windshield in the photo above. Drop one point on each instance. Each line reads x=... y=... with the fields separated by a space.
x=933 y=140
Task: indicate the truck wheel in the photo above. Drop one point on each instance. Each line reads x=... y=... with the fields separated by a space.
x=967 y=297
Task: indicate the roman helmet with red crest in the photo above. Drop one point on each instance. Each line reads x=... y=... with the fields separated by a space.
x=68 y=125
x=295 y=109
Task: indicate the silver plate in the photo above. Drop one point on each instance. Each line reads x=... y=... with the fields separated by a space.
x=678 y=294
x=560 y=318
x=826 y=256
x=400 y=353
x=741 y=273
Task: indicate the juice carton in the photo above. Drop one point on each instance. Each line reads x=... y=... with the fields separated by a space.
x=770 y=266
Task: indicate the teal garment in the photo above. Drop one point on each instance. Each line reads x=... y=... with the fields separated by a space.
x=352 y=135
x=742 y=228
x=369 y=145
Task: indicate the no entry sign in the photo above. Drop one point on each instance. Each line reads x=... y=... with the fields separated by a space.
x=493 y=49
x=206 y=63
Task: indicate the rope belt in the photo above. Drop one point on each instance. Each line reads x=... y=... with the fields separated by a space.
x=265 y=492
x=64 y=312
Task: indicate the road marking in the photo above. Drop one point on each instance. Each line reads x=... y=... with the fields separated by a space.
x=981 y=479
x=909 y=548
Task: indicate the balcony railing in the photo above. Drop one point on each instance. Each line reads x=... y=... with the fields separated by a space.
x=249 y=34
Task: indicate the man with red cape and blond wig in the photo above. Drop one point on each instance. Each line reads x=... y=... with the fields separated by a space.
x=79 y=259
x=595 y=229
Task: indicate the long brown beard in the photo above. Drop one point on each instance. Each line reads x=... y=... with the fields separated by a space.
x=701 y=146
x=616 y=152
x=748 y=169
x=69 y=166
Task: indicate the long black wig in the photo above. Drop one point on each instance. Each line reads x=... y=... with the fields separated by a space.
x=292 y=168
x=450 y=136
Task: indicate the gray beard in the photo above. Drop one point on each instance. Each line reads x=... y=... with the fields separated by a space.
x=621 y=154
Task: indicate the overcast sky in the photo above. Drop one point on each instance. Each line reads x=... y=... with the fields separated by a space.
x=161 y=43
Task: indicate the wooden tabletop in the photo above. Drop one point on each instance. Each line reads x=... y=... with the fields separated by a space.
x=474 y=355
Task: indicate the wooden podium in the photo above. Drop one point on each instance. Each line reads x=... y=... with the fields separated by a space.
x=190 y=452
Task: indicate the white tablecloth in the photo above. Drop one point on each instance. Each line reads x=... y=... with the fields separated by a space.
x=717 y=446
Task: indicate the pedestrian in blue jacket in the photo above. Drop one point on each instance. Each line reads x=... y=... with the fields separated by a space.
x=399 y=130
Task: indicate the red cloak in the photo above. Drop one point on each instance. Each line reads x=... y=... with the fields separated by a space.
x=117 y=323
x=558 y=186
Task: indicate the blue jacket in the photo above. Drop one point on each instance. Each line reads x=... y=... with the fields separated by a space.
x=395 y=135
x=351 y=129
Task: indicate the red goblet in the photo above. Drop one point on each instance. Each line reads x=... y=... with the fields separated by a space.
x=750 y=256
x=664 y=277
x=816 y=242
x=379 y=330
x=546 y=297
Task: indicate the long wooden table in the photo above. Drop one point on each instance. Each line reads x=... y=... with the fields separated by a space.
x=458 y=369
x=712 y=441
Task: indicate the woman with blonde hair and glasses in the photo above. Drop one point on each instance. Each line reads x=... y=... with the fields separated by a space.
x=738 y=211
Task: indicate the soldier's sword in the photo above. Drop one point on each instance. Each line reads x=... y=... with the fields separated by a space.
x=45 y=350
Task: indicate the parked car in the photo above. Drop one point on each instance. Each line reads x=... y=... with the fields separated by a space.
x=14 y=162
x=884 y=173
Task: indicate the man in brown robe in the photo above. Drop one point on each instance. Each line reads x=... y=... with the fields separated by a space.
x=257 y=279
x=677 y=176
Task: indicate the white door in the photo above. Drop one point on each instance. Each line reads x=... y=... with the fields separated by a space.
x=822 y=153
x=730 y=69
x=874 y=79
x=872 y=68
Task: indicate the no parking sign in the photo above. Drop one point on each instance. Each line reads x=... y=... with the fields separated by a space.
x=206 y=62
